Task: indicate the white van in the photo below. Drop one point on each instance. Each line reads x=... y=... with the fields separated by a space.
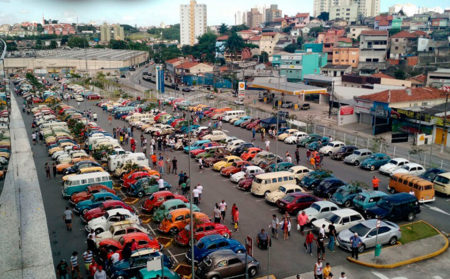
x=80 y=182
x=268 y=182
x=228 y=115
x=116 y=161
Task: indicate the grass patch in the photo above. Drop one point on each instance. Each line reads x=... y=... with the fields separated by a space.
x=416 y=231
x=139 y=36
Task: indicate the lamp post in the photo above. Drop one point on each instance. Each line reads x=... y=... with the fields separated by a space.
x=191 y=215
x=2 y=57
x=446 y=91
x=331 y=99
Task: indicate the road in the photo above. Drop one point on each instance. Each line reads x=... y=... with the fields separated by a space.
x=255 y=213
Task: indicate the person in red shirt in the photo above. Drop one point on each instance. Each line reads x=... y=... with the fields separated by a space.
x=154 y=160
x=309 y=241
x=134 y=245
x=302 y=220
x=236 y=219
x=375 y=183
x=233 y=210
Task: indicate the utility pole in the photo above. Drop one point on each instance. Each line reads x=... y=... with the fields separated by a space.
x=2 y=57
x=446 y=91
x=331 y=102
x=191 y=215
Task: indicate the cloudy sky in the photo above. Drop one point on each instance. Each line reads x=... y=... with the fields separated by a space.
x=149 y=12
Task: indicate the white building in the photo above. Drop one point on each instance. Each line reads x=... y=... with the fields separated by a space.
x=193 y=22
x=366 y=8
x=240 y=18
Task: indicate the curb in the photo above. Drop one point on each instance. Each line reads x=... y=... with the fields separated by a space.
x=268 y=276
x=409 y=261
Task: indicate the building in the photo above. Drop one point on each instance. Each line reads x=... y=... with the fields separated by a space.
x=346 y=12
x=418 y=81
x=439 y=78
x=335 y=70
x=75 y=60
x=272 y=13
x=254 y=18
x=193 y=68
x=193 y=22
x=383 y=22
x=403 y=44
x=239 y=18
x=105 y=33
x=268 y=42
x=329 y=40
x=119 y=33
x=295 y=65
x=373 y=46
x=365 y=8
x=388 y=80
x=346 y=56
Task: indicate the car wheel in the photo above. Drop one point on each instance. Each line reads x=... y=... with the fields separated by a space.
x=120 y=277
x=361 y=248
x=347 y=203
x=266 y=193
x=356 y=163
x=98 y=231
x=173 y=231
x=392 y=190
x=372 y=168
x=140 y=194
x=252 y=272
x=329 y=153
x=84 y=211
x=411 y=216
x=393 y=240
x=215 y=277
x=226 y=235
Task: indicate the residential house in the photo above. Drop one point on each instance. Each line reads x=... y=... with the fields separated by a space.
x=268 y=42
x=383 y=22
x=388 y=80
x=439 y=78
x=329 y=40
x=295 y=65
x=373 y=49
x=355 y=31
x=418 y=81
x=346 y=56
x=220 y=46
x=193 y=68
x=301 y=20
x=335 y=70
x=171 y=64
x=439 y=21
x=403 y=44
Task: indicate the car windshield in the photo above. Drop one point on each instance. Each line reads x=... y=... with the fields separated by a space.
x=282 y=189
x=258 y=180
x=357 y=153
x=330 y=144
x=394 y=162
x=373 y=157
x=289 y=198
x=406 y=168
x=360 y=229
x=334 y=219
x=360 y=198
x=385 y=204
x=315 y=206
x=341 y=191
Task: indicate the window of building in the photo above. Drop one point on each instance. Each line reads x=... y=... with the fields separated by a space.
x=396 y=48
x=396 y=40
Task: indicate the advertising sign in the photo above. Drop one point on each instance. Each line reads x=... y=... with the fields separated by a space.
x=249 y=245
x=346 y=110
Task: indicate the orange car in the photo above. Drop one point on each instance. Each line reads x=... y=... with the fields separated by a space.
x=250 y=153
x=61 y=167
x=178 y=219
x=143 y=169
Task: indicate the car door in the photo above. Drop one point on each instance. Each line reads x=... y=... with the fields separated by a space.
x=371 y=239
x=323 y=212
x=235 y=267
x=419 y=170
x=344 y=223
x=354 y=219
x=209 y=229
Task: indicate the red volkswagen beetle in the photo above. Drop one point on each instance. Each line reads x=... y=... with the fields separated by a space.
x=250 y=153
x=294 y=202
x=158 y=198
x=127 y=182
x=85 y=195
x=100 y=211
x=201 y=230
x=234 y=168
x=245 y=184
x=142 y=239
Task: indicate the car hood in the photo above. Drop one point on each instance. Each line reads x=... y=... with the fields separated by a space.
x=400 y=170
x=388 y=167
x=97 y=221
x=238 y=175
x=104 y=235
x=320 y=222
x=84 y=203
x=346 y=235
x=311 y=212
x=377 y=211
x=337 y=197
x=351 y=157
x=274 y=196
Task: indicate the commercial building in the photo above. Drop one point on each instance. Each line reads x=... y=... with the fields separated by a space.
x=346 y=12
x=91 y=60
x=346 y=56
x=193 y=22
x=193 y=68
x=295 y=65
x=272 y=13
x=105 y=33
x=439 y=78
x=365 y=8
x=254 y=18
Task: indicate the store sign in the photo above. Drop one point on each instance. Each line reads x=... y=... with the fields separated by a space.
x=346 y=110
x=241 y=85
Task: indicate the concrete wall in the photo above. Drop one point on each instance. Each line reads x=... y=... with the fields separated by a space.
x=25 y=250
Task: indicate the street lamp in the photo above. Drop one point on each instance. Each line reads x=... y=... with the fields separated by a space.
x=446 y=91
x=2 y=57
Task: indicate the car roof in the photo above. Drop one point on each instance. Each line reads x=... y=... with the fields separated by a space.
x=298 y=167
x=345 y=212
x=399 y=197
x=372 y=223
x=336 y=141
x=379 y=154
x=211 y=238
x=325 y=203
x=291 y=186
x=399 y=159
x=298 y=194
x=172 y=202
x=373 y=193
x=363 y=150
x=413 y=165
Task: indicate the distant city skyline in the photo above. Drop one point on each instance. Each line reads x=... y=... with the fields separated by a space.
x=150 y=12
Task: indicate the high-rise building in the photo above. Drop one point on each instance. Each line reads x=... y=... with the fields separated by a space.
x=193 y=22
x=365 y=8
x=272 y=13
x=105 y=33
x=239 y=18
x=254 y=18
x=119 y=33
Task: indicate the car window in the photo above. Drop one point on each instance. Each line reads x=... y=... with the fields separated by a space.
x=383 y=230
x=200 y=229
x=373 y=233
x=234 y=261
x=325 y=209
x=209 y=228
x=178 y=218
x=345 y=220
x=280 y=179
x=221 y=263
x=119 y=232
x=355 y=218
x=222 y=244
x=212 y=246
x=274 y=180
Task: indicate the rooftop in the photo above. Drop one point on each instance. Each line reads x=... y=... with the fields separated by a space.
x=281 y=85
x=187 y=65
x=336 y=67
x=381 y=75
x=404 y=34
x=405 y=95
x=79 y=54
x=375 y=32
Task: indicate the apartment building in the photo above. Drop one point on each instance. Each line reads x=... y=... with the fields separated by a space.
x=193 y=22
x=366 y=8
x=373 y=45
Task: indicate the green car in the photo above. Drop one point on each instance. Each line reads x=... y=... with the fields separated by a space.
x=170 y=205
x=145 y=274
x=310 y=139
x=210 y=152
x=146 y=186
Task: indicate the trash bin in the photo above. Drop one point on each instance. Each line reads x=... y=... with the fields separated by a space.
x=377 y=250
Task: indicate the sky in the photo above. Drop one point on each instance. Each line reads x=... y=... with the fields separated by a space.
x=151 y=12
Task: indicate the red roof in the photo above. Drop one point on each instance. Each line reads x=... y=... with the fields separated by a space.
x=420 y=33
x=344 y=39
x=383 y=17
x=401 y=95
x=404 y=34
x=420 y=78
x=269 y=33
x=174 y=60
x=375 y=32
x=222 y=38
x=302 y=15
x=383 y=23
x=255 y=38
x=187 y=65
x=381 y=75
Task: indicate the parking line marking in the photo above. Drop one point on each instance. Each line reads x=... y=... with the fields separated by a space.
x=151 y=229
x=173 y=257
x=177 y=255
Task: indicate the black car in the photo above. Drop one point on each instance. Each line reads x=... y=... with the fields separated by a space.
x=305 y=106
x=343 y=152
x=242 y=148
x=80 y=165
x=327 y=187
x=431 y=174
x=396 y=207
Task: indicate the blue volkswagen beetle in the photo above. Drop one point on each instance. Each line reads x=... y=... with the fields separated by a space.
x=241 y=120
x=210 y=243
x=95 y=201
x=375 y=161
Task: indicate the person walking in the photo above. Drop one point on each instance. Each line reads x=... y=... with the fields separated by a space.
x=253 y=133
x=87 y=258
x=169 y=165
x=161 y=166
x=217 y=214
x=331 y=236
x=302 y=221
x=355 y=241
x=91 y=244
x=174 y=165
x=327 y=271
x=100 y=273
x=267 y=142
x=321 y=246
x=47 y=170
x=200 y=192
x=196 y=194
x=375 y=183
x=318 y=269
x=309 y=242
x=312 y=160
x=297 y=156
x=54 y=169
x=223 y=209
x=62 y=270
x=286 y=226
x=154 y=160
x=233 y=210
x=75 y=267
x=274 y=226
x=67 y=217
x=236 y=219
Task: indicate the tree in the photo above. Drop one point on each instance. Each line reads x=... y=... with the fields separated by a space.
x=300 y=41
x=264 y=57
x=118 y=44
x=291 y=48
x=314 y=31
x=400 y=74
x=237 y=28
x=324 y=16
x=64 y=39
x=287 y=29
x=223 y=29
x=234 y=45
x=53 y=45
x=76 y=41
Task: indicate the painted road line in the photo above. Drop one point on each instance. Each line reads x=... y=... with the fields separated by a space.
x=437 y=209
x=173 y=257
x=151 y=229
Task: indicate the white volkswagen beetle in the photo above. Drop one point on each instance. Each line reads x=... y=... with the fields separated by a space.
x=331 y=147
x=297 y=136
x=102 y=224
x=393 y=165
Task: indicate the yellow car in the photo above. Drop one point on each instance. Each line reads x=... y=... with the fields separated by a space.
x=4 y=154
x=228 y=161
x=50 y=139
x=54 y=149
x=84 y=170
x=5 y=143
x=286 y=134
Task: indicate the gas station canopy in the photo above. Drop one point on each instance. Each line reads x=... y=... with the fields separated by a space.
x=275 y=84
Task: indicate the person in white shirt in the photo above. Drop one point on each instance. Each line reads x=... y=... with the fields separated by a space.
x=343 y=276
x=289 y=159
x=161 y=184
x=223 y=209
x=115 y=257
x=267 y=145
x=200 y=189
x=322 y=230
x=196 y=194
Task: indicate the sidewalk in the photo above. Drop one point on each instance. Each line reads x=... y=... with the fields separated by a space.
x=399 y=255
